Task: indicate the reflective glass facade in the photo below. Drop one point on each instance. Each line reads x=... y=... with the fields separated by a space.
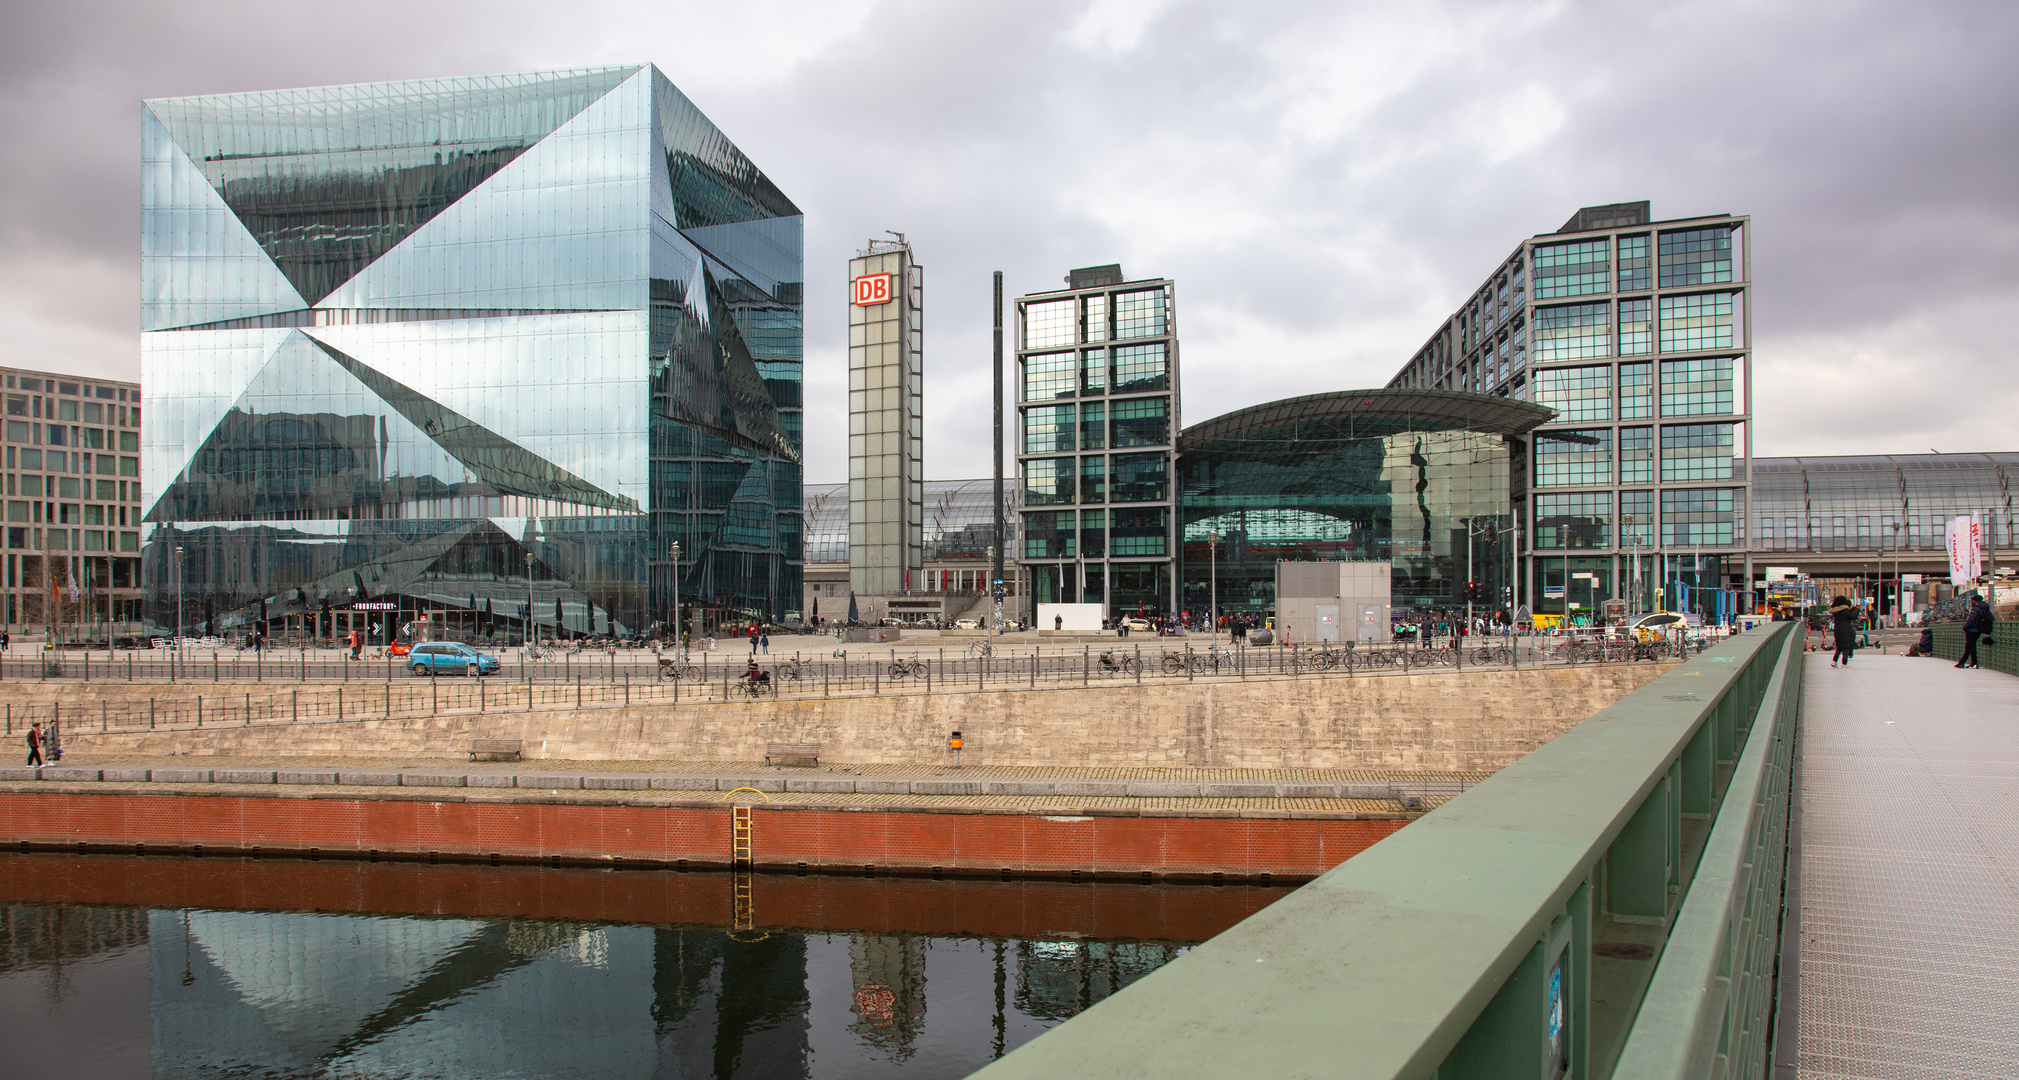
x=1094 y=476
x=480 y=348
x=1619 y=322
x=1417 y=479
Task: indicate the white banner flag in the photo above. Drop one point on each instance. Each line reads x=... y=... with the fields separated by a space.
x=1966 y=549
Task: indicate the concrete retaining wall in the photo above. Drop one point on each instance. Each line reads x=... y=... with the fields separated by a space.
x=1472 y=720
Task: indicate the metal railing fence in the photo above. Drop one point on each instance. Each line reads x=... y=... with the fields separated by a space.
x=1614 y=892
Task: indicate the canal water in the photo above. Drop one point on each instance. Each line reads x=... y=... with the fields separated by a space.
x=116 y=967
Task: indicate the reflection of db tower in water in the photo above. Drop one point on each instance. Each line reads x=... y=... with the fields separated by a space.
x=889 y=977
x=886 y=443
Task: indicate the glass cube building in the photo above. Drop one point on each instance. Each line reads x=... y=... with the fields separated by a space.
x=476 y=349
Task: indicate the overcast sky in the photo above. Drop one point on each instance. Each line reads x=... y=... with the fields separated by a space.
x=1324 y=181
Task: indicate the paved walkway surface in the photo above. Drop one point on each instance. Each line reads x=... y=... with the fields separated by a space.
x=1317 y=792
x=1910 y=870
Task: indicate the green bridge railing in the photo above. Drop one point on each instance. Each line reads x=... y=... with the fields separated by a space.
x=1610 y=905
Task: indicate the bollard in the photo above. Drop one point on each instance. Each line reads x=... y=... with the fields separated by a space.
x=213 y=665
x=87 y=665
x=199 y=710
x=480 y=694
x=101 y=716
x=294 y=706
x=627 y=689
x=150 y=714
x=248 y=709
x=1035 y=651
x=578 y=691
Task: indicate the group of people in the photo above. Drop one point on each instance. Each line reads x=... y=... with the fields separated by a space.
x=40 y=740
x=1977 y=626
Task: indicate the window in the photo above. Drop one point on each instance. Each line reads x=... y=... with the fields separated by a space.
x=1564 y=458
x=1140 y=422
x=1580 y=519
x=1634 y=271
x=1048 y=481
x=129 y=441
x=1636 y=327
x=129 y=541
x=1702 y=321
x=1696 y=387
x=94 y=540
x=1636 y=391
x=1093 y=533
x=1572 y=332
x=1140 y=367
x=1577 y=394
x=108 y=490
x=1636 y=518
x=1698 y=516
x=94 y=515
x=92 y=437
x=1140 y=478
x=31 y=459
x=17 y=511
x=1141 y=314
x=1696 y=257
x=1048 y=376
x=17 y=405
x=1138 y=530
x=1049 y=534
x=1094 y=371
x=1094 y=479
x=1093 y=425
x=1096 y=312
x=1636 y=455
x=67 y=410
x=1575 y=269
x=94 y=413
x=66 y=487
x=1048 y=429
x=71 y=513
x=17 y=431
x=1696 y=452
x=1049 y=324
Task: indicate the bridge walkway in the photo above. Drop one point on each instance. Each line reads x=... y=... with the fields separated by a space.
x=1909 y=871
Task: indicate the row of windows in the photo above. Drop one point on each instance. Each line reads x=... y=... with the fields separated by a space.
x=71 y=539
x=1069 y=534
x=89 y=412
x=38 y=385
x=1698 y=387
x=1061 y=481
x=1138 y=313
x=1579 y=267
x=1689 y=323
x=1583 y=457
x=1580 y=520
x=30 y=457
x=36 y=512
x=1124 y=369
x=1120 y=424
x=27 y=431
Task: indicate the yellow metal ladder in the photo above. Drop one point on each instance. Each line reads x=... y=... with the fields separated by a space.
x=739 y=842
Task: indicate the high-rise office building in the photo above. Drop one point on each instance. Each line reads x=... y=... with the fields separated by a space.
x=1097 y=427
x=73 y=505
x=886 y=428
x=1638 y=333
x=476 y=349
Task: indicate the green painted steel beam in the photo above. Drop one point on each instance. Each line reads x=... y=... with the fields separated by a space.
x=1380 y=967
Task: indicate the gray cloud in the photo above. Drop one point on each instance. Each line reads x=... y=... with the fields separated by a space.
x=1323 y=181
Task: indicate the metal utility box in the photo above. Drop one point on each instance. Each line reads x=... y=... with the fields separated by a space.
x=1332 y=601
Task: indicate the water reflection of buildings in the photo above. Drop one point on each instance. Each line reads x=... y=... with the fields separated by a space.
x=291 y=994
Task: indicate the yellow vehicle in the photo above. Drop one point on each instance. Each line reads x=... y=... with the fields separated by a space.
x=1657 y=626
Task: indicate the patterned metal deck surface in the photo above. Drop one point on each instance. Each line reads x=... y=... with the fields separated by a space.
x=1910 y=871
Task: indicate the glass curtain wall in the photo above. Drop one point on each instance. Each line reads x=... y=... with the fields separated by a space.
x=475 y=372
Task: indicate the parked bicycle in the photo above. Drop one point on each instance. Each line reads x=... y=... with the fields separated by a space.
x=902 y=669
x=794 y=670
x=670 y=668
x=1493 y=654
x=980 y=650
x=1124 y=664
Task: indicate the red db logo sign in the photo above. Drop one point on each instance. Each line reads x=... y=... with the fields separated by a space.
x=872 y=289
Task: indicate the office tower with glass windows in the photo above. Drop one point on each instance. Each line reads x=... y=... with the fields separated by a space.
x=73 y=506
x=1097 y=425
x=886 y=427
x=467 y=356
x=1638 y=333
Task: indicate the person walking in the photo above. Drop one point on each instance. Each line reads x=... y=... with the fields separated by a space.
x=357 y=642
x=764 y=642
x=1844 y=620
x=753 y=639
x=34 y=745
x=1975 y=628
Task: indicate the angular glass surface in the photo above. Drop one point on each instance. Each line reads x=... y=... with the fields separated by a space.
x=198 y=264
x=1578 y=394
x=1697 y=451
x=1696 y=256
x=1573 y=332
x=1574 y=269
x=330 y=178
x=1572 y=457
x=561 y=227
x=1702 y=321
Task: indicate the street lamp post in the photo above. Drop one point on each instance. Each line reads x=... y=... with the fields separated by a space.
x=532 y=617
x=178 y=608
x=1213 y=611
x=995 y=612
x=1899 y=580
x=675 y=554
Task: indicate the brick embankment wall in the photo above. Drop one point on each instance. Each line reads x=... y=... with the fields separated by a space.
x=1448 y=720
x=973 y=843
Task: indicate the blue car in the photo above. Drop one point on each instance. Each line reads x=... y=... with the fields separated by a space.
x=450 y=658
